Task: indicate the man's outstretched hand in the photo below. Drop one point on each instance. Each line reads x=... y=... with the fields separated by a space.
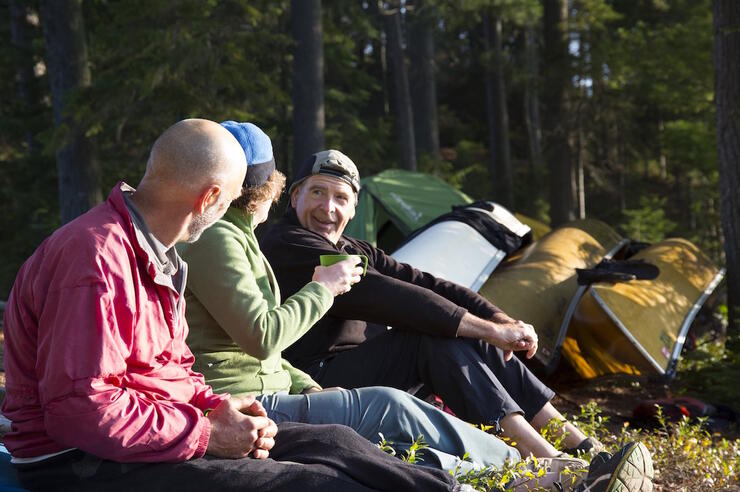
x=501 y=330
x=515 y=335
x=240 y=428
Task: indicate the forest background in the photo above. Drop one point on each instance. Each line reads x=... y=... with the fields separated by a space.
x=557 y=109
x=626 y=111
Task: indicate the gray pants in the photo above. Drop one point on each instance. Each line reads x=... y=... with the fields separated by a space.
x=400 y=418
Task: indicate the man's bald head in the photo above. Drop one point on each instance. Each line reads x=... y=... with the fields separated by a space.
x=194 y=153
x=195 y=170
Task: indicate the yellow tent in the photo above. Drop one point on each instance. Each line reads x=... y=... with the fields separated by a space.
x=640 y=326
x=634 y=327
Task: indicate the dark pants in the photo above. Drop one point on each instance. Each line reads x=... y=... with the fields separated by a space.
x=305 y=457
x=471 y=376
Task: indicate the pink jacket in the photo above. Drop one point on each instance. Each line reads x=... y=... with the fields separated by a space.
x=95 y=354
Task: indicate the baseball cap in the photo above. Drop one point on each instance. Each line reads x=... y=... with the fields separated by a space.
x=329 y=163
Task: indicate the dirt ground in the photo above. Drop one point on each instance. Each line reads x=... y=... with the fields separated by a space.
x=614 y=392
x=618 y=395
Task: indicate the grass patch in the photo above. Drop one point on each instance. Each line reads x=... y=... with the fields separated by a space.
x=686 y=456
x=711 y=372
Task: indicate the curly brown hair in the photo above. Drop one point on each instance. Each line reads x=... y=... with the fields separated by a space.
x=269 y=190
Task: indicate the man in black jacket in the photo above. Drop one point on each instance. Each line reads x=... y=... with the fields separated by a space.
x=445 y=337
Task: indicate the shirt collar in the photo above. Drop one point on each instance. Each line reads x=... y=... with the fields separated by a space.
x=165 y=260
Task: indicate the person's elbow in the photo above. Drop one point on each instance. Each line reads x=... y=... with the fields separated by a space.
x=74 y=421
x=261 y=347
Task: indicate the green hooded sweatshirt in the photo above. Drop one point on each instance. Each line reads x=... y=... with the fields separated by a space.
x=238 y=327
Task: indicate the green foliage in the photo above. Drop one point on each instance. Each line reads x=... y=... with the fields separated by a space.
x=711 y=371
x=553 y=433
x=640 y=110
x=590 y=420
x=411 y=454
x=527 y=471
x=178 y=69
x=29 y=208
x=685 y=456
x=351 y=37
x=452 y=173
x=647 y=223
x=463 y=167
x=414 y=452
x=385 y=445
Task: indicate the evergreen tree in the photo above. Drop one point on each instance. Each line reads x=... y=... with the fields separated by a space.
x=69 y=73
x=727 y=96
x=308 y=79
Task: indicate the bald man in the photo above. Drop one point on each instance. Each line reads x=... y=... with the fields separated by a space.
x=99 y=382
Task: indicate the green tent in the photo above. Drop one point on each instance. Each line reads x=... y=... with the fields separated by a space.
x=394 y=203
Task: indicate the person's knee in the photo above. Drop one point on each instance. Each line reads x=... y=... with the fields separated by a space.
x=386 y=393
x=392 y=398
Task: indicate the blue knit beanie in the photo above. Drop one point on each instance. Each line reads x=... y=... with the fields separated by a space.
x=257 y=149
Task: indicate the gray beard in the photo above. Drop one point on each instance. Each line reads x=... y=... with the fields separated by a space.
x=202 y=222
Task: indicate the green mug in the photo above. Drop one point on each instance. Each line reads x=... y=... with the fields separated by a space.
x=328 y=260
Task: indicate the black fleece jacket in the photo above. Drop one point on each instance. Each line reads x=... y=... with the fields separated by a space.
x=391 y=294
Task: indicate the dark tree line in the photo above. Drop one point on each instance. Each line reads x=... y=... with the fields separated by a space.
x=727 y=95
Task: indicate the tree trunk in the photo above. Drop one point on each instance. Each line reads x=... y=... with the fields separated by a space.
x=378 y=105
x=498 y=116
x=556 y=80
x=404 y=118
x=621 y=179
x=308 y=79
x=373 y=64
x=580 y=196
x=423 y=80
x=66 y=59
x=532 y=108
x=24 y=22
x=727 y=97
x=662 y=159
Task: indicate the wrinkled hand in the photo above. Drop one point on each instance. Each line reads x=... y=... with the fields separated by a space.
x=501 y=331
x=339 y=277
x=240 y=428
x=514 y=335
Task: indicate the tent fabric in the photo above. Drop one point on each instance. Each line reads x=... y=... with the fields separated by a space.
x=394 y=203
x=438 y=250
x=500 y=236
x=537 y=284
x=409 y=199
x=640 y=326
